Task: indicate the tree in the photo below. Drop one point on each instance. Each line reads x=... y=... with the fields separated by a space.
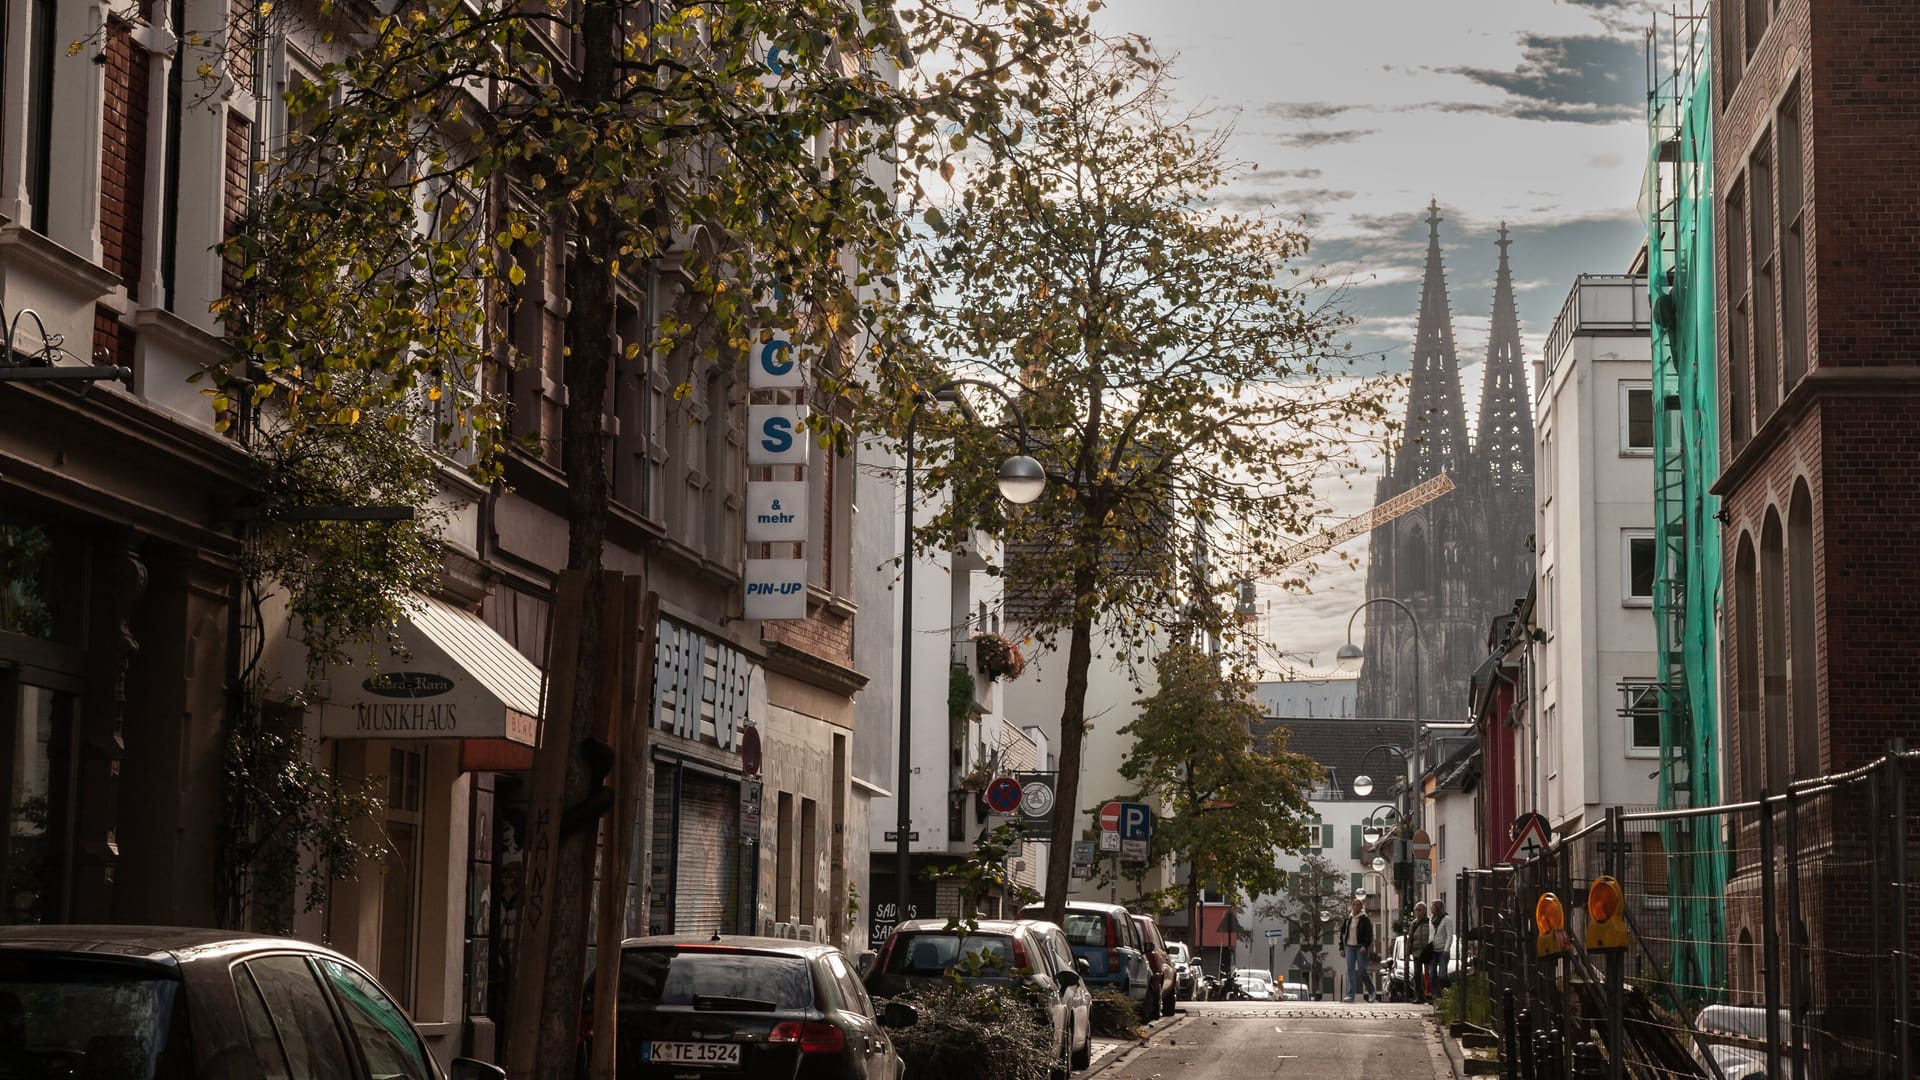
x=1233 y=799
x=1314 y=901
x=1180 y=376
x=454 y=151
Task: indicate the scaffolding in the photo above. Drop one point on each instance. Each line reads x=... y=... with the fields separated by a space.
x=1677 y=202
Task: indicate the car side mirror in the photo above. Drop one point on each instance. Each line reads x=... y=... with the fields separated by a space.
x=864 y=965
x=1080 y=965
x=1067 y=979
x=475 y=1069
x=899 y=1014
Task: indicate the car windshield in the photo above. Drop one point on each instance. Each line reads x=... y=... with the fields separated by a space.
x=1253 y=976
x=67 y=1016
x=1084 y=928
x=712 y=978
x=933 y=952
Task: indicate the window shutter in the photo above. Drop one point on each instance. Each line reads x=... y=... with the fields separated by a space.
x=1354 y=851
x=1326 y=837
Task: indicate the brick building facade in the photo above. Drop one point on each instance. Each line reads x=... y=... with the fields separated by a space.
x=1819 y=314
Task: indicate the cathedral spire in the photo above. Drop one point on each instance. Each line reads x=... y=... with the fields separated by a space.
x=1505 y=432
x=1435 y=440
x=1504 y=436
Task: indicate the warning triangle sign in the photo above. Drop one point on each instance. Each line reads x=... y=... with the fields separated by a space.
x=1529 y=839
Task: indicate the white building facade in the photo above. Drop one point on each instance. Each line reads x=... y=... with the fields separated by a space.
x=1597 y=733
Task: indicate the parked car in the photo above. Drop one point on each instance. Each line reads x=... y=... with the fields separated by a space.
x=133 y=1001
x=763 y=1006
x=1160 y=997
x=1183 y=970
x=924 y=953
x=1107 y=938
x=1397 y=975
x=1256 y=984
x=1736 y=1038
x=1202 y=982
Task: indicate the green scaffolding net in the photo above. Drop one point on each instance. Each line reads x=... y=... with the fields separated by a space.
x=1678 y=204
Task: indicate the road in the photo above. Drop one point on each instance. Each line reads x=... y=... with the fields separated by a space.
x=1256 y=1040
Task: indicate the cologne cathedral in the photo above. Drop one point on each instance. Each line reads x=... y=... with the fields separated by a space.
x=1464 y=558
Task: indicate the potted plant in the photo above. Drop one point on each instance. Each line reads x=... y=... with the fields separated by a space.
x=998 y=656
x=976 y=778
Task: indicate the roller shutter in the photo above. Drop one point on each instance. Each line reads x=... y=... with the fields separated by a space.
x=701 y=829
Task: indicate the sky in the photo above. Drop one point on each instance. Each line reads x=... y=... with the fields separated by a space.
x=1352 y=115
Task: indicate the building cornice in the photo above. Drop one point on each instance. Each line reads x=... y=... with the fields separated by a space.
x=1819 y=384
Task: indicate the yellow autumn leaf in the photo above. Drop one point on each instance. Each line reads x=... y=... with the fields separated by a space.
x=516 y=275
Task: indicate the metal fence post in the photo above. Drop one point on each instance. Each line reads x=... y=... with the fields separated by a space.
x=1563 y=1046
x=1525 y=1037
x=1797 y=946
x=1616 y=960
x=1769 y=937
x=1903 y=1020
x=1509 y=1028
x=1876 y=974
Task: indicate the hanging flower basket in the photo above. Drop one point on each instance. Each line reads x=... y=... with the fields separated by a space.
x=976 y=778
x=998 y=657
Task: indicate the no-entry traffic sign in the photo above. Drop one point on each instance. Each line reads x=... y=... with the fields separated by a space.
x=1110 y=817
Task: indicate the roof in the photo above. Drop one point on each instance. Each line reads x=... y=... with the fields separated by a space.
x=1340 y=744
x=737 y=941
x=988 y=926
x=158 y=944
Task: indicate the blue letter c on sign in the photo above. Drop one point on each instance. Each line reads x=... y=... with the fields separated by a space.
x=772 y=362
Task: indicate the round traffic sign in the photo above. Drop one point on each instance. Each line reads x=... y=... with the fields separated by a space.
x=1003 y=794
x=1110 y=817
x=1422 y=845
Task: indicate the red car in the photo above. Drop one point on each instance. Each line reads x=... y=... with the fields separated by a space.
x=1165 y=979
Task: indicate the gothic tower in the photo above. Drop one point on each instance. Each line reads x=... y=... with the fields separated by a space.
x=1503 y=441
x=1443 y=561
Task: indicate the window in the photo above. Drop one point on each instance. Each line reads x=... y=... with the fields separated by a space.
x=1756 y=23
x=42 y=43
x=1793 y=241
x=1739 y=308
x=1636 y=549
x=1803 y=701
x=388 y=1041
x=1773 y=649
x=1636 y=418
x=1653 y=864
x=400 y=879
x=298 y=1008
x=1731 y=57
x=1766 y=370
x=1746 y=665
x=1640 y=709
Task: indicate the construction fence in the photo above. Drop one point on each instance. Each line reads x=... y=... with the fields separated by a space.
x=1767 y=938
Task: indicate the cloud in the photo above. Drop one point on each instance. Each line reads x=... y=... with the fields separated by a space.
x=1309 y=140
x=1279 y=176
x=1582 y=79
x=1303 y=110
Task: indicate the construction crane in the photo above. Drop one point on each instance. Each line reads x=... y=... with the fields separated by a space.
x=1404 y=503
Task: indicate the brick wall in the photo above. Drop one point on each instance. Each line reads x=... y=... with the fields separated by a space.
x=123 y=156
x=825 y=633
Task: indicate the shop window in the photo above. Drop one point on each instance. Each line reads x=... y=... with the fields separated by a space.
x=37 y=724
x=1636 y=419
x=400 y=876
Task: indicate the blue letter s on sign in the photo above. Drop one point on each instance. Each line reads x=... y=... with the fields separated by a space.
x=776 y=435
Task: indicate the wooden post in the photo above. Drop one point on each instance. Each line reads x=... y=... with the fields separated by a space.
x=635 y=637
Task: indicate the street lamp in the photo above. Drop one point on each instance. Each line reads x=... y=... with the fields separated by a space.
x=1021 y=480
x=1350 y=658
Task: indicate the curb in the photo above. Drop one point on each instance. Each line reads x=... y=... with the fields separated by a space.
x=1144 y=1043
x=1450 y=1050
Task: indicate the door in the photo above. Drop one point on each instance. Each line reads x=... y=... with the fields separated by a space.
x=38 y=711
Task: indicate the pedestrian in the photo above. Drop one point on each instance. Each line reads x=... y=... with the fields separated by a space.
x=1442 y=943
x=1356 y=942
x=1418 y=956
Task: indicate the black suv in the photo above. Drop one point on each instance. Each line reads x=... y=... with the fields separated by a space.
x=750 y=1007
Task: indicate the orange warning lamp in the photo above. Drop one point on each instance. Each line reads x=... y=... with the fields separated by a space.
x=1606 y=915
x=1550 y=919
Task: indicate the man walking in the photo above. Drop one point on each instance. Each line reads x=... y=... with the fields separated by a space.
x=1356 y=941
x=1441 y=942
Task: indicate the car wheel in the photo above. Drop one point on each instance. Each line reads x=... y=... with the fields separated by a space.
x=1083 y=1057
x=1167 y=1007
x=1063 y=1066
x=1151 y=1007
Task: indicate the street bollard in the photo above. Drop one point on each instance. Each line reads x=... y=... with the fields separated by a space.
x=1510 y=1060
x=1526 y=1046
x=1588 y=1064
x=1546 y=1055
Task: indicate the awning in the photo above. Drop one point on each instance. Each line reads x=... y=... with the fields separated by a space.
x=460 y=680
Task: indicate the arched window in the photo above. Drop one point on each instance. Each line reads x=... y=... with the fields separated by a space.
x=1773 y=648
x=1746 y=667
x=1415 y=574
x=1747 y=971
x=1802 y=688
